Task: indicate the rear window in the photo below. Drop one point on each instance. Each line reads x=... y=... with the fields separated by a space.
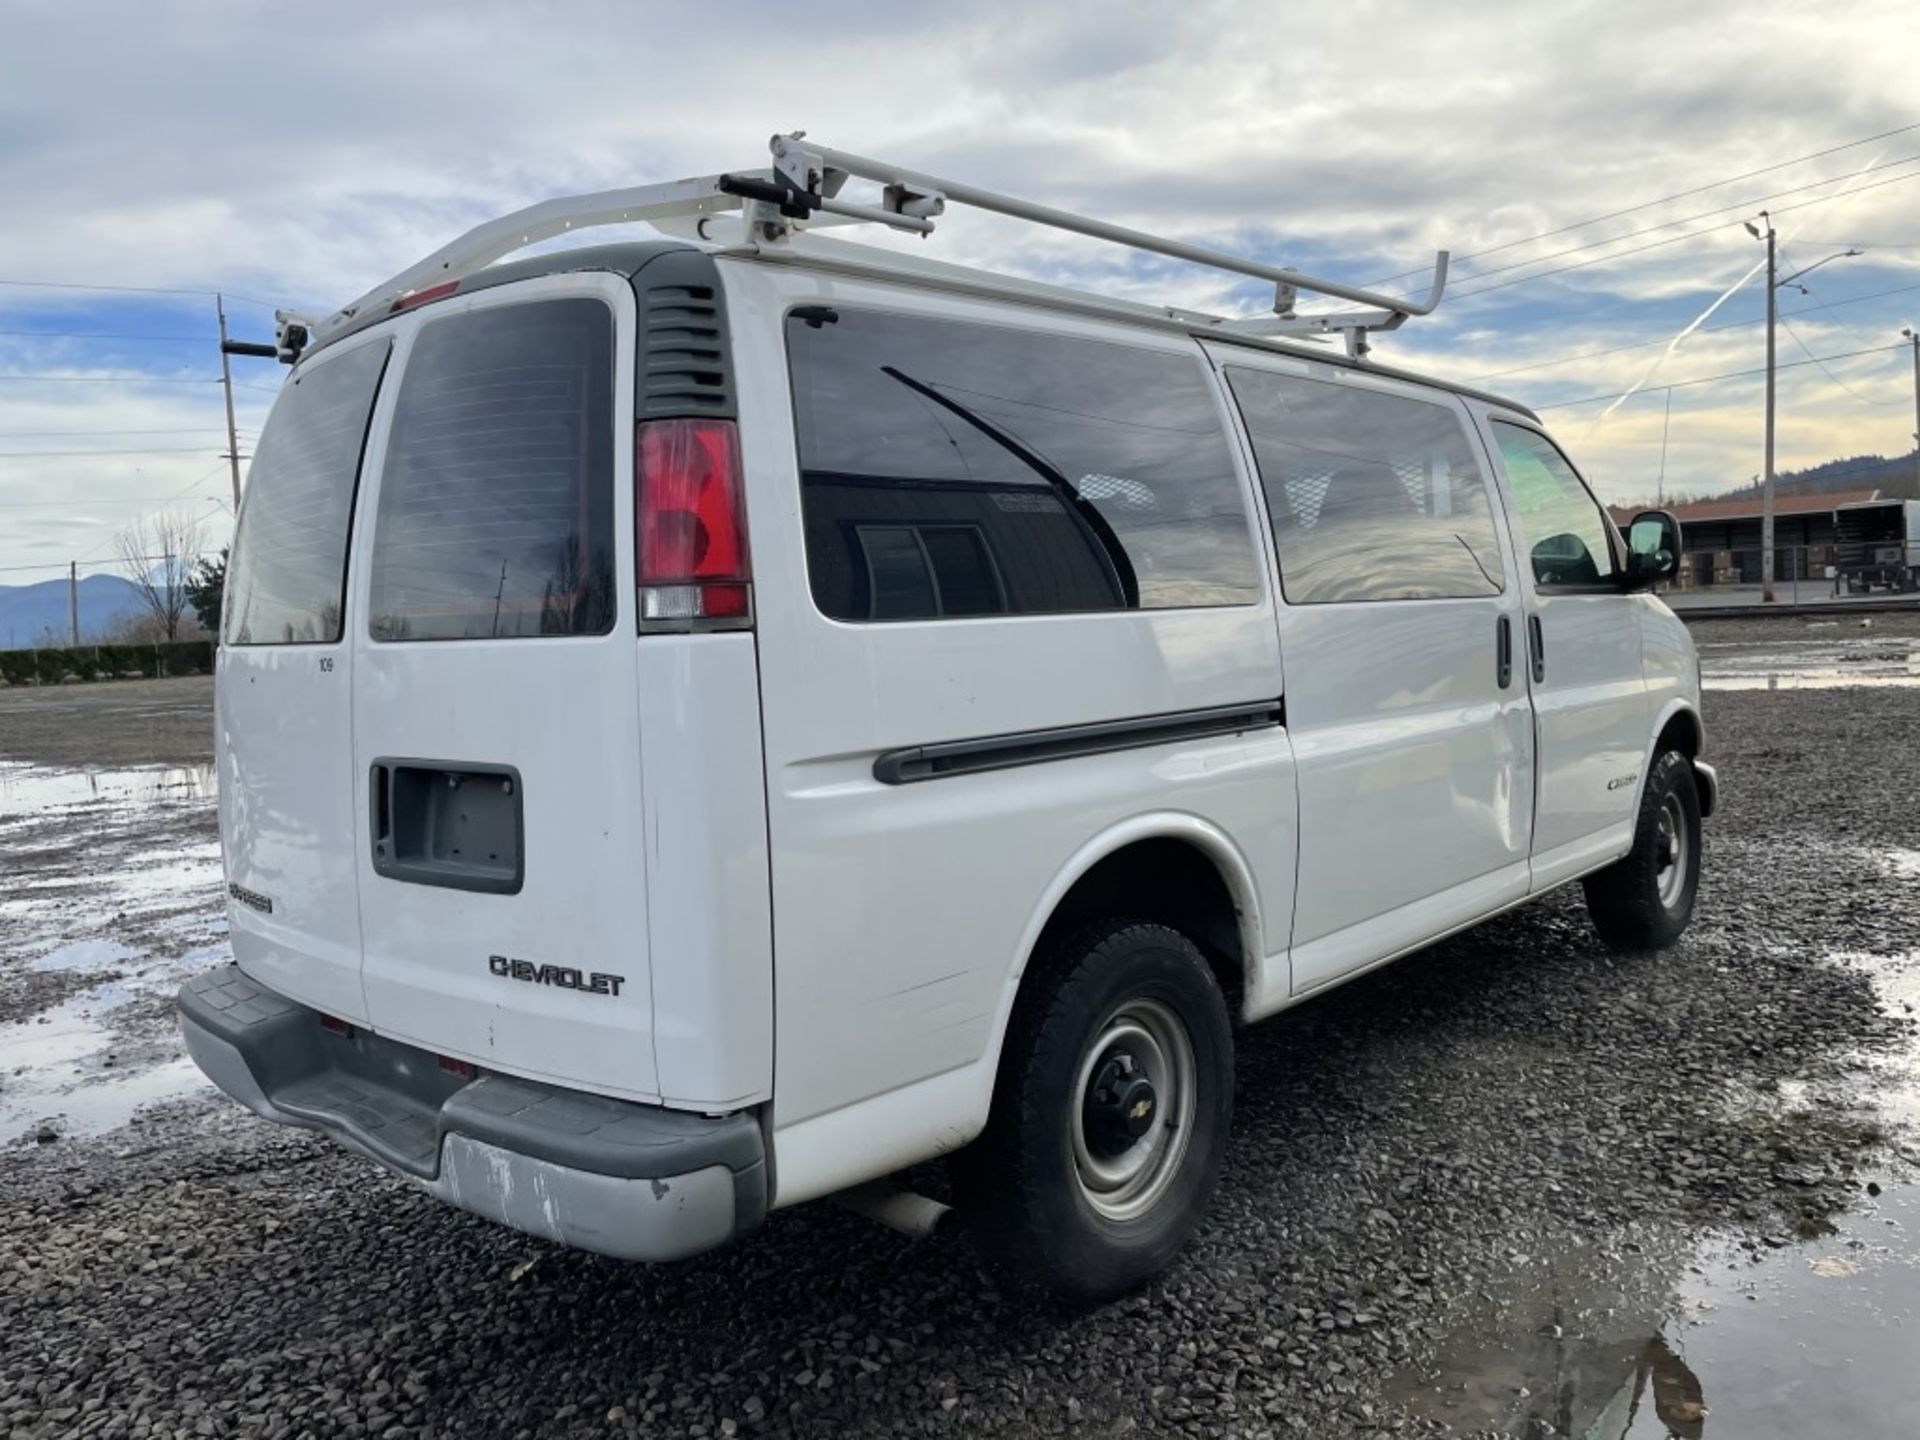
x=496 y=500
x=289 y=566
x=951 y=469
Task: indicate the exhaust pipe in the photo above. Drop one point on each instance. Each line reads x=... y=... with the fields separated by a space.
x=907 y=1211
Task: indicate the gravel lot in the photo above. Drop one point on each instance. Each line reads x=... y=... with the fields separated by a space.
x=1458 y=1191
x=123 y=722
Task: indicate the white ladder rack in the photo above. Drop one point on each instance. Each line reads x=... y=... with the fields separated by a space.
x=801 y=190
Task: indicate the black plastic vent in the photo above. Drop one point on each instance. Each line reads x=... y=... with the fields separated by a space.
x=684 y=365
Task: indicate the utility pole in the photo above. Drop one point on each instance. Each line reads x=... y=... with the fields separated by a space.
x=226 y=383
x=1766 y=487
x=1660 y=485
x=1913 y=338
x=73 y=602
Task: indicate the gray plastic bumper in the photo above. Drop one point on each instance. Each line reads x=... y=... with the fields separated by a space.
x=1707 y=780
x=634 y=1181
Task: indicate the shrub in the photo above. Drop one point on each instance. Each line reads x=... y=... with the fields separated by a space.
x=53 y=665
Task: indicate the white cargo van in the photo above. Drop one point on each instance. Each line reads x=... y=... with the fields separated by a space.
x=706 y=723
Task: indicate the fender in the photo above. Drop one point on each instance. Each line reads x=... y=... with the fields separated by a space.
x=891 y=1130
x=1204 y=836
x=1678 y=705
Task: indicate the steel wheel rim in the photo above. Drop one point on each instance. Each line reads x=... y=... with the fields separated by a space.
x=1671 y=844
x=1126 y=1185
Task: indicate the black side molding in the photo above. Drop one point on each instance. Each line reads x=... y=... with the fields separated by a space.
x=1031 y=747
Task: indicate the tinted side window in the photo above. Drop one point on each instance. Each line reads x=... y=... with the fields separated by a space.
x=1372 y=496
x=289 y=565
x=1563 y=527
x=950 y=469
x=496 y=501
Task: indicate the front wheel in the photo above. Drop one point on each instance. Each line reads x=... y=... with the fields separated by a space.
x=1644 y=901
x=1111 y=1114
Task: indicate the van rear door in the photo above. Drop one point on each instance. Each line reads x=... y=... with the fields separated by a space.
x=496 y=776
x=283 y=709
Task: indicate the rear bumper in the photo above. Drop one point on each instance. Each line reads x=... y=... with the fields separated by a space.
x=638 y=1182
x=1707 y=780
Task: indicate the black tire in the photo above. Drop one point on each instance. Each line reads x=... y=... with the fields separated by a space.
x=1645 y=901
x=1024 y=1183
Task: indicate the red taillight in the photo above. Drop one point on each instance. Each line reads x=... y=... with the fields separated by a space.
x=333 y=1024
x=425 y=297
x=690 y=526
x=463 y=1068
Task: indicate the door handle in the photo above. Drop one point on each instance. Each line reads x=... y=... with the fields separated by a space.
x=1538 y=645
x=1503 y=653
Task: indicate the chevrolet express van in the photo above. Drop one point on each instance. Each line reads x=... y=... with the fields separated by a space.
x=704 y=724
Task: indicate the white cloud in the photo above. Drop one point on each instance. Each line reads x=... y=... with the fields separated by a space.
x=301 y=153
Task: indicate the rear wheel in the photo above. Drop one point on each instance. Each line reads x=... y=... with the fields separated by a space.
x=1110 y=1119
x=1645 y=901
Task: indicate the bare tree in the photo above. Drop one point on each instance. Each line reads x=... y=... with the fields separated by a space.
x=157 y=552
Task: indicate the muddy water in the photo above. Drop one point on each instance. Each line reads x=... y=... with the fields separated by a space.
x=1823 y=655
x=1673 y=1334
x=110 y=898
x=1656 y=1335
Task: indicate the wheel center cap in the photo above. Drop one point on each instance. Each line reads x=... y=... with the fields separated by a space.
x=1138 y=1105
x=1121 y=1105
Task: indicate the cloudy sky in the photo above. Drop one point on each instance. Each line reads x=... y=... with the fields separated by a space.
x=296 y=155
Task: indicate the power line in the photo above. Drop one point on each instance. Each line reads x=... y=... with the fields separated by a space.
x=108 y=335
x=1664 y=199
x=1901 y=400
x=1738 y=205
x=100 y=500
x=91 y=434
x=1730 y=375
x=114 y=379
x=46 y=454
x=141 y=290
x=63 y=564
x=1675 y=239
x=1705 y=330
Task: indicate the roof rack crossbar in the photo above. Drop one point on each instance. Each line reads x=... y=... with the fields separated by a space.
x=900 y=177
x=803 y=186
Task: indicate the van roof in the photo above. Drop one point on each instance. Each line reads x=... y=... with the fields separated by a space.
x=627 y=258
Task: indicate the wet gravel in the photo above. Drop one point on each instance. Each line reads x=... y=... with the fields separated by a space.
x=1402 y=1151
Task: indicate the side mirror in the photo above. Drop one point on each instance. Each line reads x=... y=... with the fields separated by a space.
x=1653 y=549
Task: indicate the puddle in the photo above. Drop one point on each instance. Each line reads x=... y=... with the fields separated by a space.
x=71 y=1066
x=1640 y=1338
x=25 y=789
x=82 y=955
x=1813 y=680
x=1824 y=663
x=114 y=871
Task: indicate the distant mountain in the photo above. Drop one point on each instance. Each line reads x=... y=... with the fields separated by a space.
x=27 y=611
x=1894 y=478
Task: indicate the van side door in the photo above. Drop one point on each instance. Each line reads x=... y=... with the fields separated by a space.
x=1583 y=655
x=1399 y=631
